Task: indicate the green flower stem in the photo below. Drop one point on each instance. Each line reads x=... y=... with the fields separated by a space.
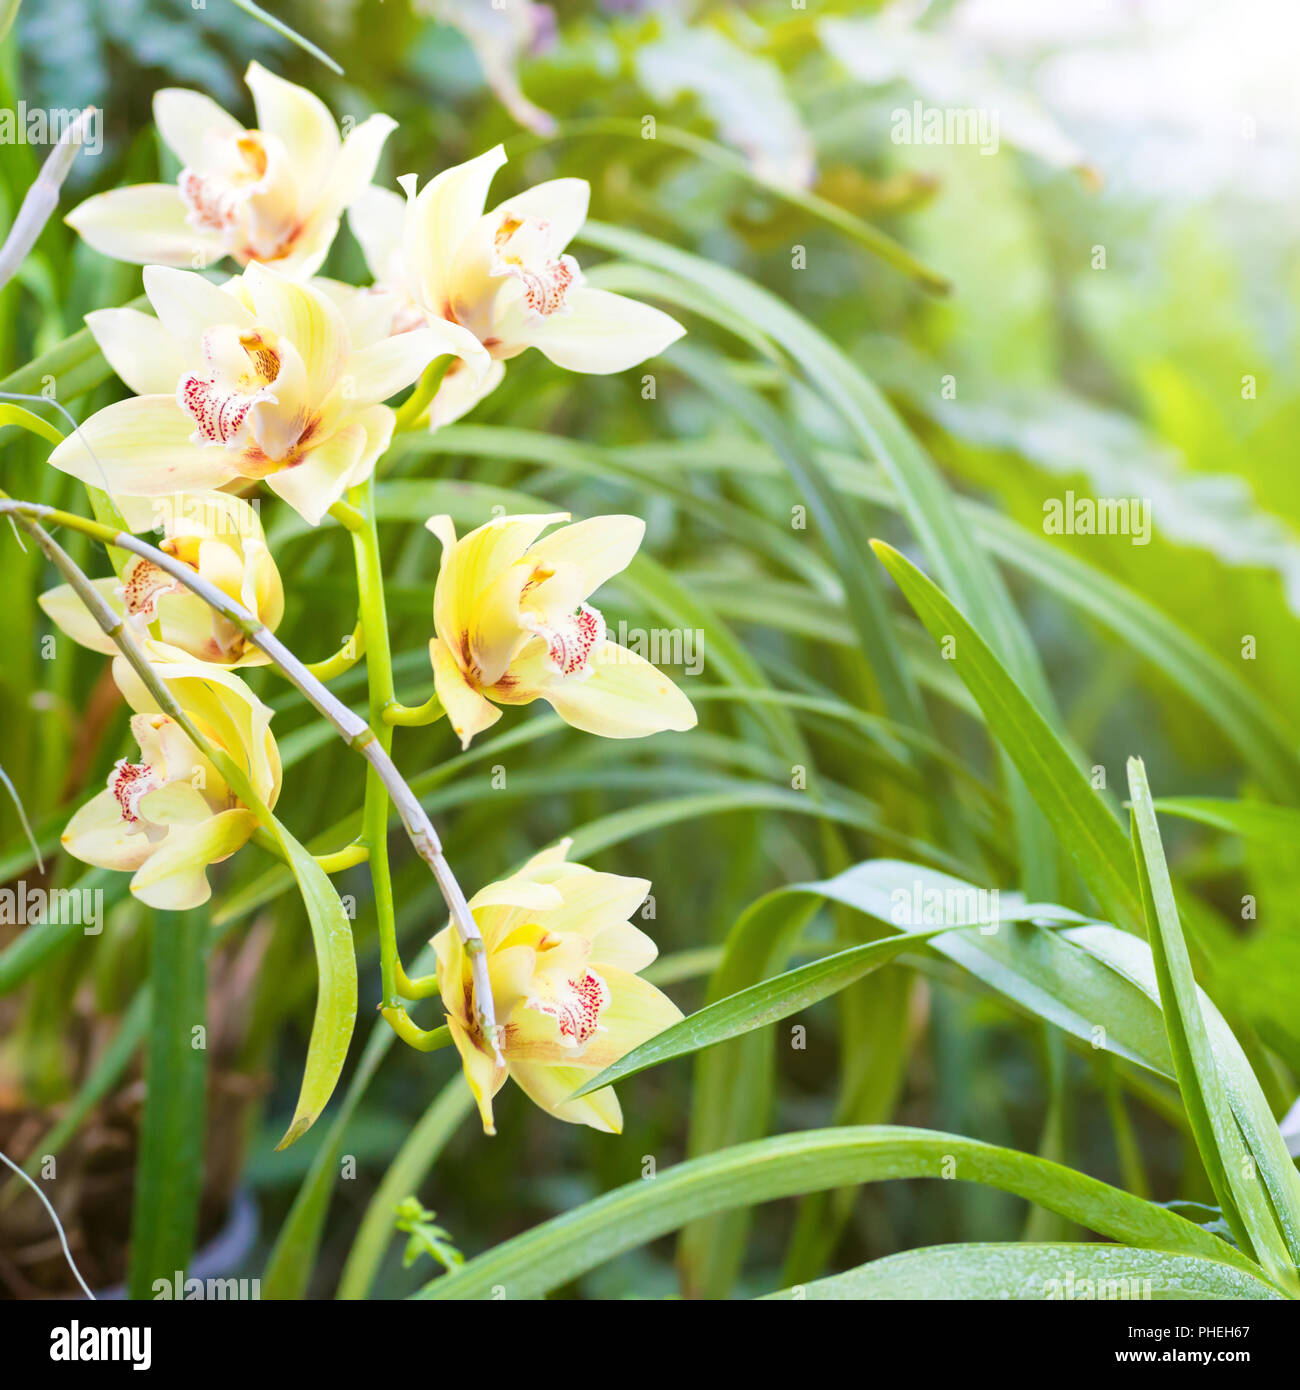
x=379 y=680
x=347 y=516
x=422 y=1039
x=344 y=858
x=355 y=732
x=422 y=987
x=342 y=660
x=411 y=413
x=413 y=716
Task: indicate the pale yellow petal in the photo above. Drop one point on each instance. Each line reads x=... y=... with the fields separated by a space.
x=460 y=392
x=190 y=123
x=484 y=1076
x=598 y=548
x=312 y=485
x=467 y=711
x=174 y=877
x=560 y=203
x=439 y=219
x=623 y=696
x=382 y=370
x=188 y=305
x=601 y=332
x=548 y=1087
x=63 y=607
x=97 y=834
x=145 y=225
x=308 y=319
x=474 y=564
x=375 y=217
x=354 y=165
x=141 y=448
x=300 y=121
x=138 y=348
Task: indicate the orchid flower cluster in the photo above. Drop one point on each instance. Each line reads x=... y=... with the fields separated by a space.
x=282 y=377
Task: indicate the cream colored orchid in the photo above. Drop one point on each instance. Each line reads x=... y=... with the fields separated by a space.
x=169 y=816
x=221 y=539
x=563 y=961
x=260 y=378
x=513 y=625
x=272 y=194
x=502 y=279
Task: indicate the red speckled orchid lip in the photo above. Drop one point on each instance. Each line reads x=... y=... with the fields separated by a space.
x=143 y=584
x=571 y=640
x=129 y=783
x=502 y=280
x=576 y=1007
x=219 y=403
x=521 y=249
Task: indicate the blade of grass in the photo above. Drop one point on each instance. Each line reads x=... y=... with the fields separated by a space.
x=1231 y=1169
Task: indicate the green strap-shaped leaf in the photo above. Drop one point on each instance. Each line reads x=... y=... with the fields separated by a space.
x=169 y=1173
x=1064 y=1271
x=1232 y=1170
x=336 y=995
x=1278 y=826
x=562 y=1249
x=1076 y=812
x=926 y=498
x=773 y=999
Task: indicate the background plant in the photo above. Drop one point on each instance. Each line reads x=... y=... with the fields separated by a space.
x=833 y=731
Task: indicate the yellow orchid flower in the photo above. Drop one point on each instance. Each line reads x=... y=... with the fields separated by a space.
x=170 y=815
x=513 y=625
x=221 y=539
x=502 y=279
x=563 y=960
x=272 y=194
x=259 y=378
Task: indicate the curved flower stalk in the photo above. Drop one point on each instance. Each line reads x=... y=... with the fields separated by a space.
x=502 y=280
x=513 y=625
x=258 y=379
x=272 y=194
x=168 y=816
x=564 y=961
x=220 y=538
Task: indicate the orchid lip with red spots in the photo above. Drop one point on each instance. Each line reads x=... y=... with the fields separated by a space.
x=513 y=625
x=564 y=962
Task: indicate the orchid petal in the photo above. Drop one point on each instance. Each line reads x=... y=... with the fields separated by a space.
x=141 y=448
x=309 y=320
x=145 y=224
x=549 y=1087
x=601 y=332
x=138 y=348
x=188 y=306
x=560 y=203
x=598 y=549
x=174 y=877
x=354 y=165
x=440 y=219
x=377 y=372
x=189 y=121
x=98 y=834
x=375 y=217
x=484 y=1076
x=622 y=696
x=467 y=711
x=313 y=484
x=300 y=121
